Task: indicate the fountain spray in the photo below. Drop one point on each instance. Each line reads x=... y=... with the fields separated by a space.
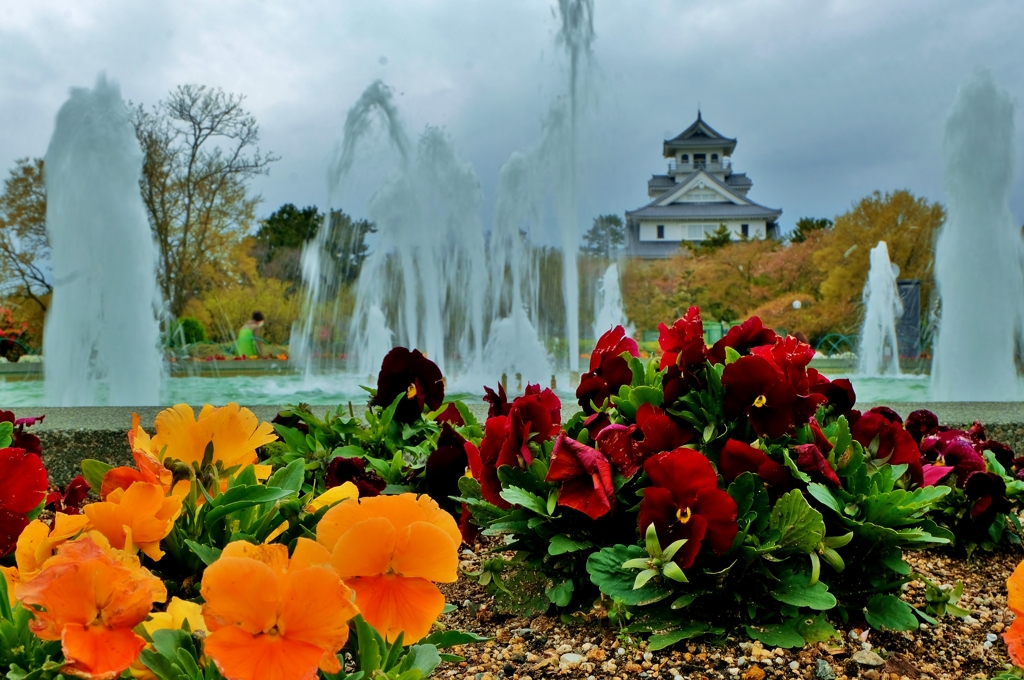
x=879 y=350
x=101 y=345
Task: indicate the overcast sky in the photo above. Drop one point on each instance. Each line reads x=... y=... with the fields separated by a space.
x=829 y=100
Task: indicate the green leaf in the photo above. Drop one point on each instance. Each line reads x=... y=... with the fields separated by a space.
x=525 y=499
x=685 y=600
x=793 y=589
x=888 y=612
x=777 y=635
x=443 y=639
x=205 y=553
x=560 y=545
x=817 y=629
x=423 y=658
x=561 y=594
x=842 y=439
x=289 y=477
x=93 y=471
x=639 y=396
x=606 y=572
x=800 y=526
x=241 y=497
x=689 y=630
x=293 y=437
x=731 y=355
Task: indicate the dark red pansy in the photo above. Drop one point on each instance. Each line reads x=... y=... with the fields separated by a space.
x=470 y=532
x=749 y=334
x=596 y=422
x=682 y=344
x=534 y=418
x=483 y=461
x=790 y=357
x=885 y=441
x=497 y=402
x=921 y=423
x=451 y=416
x=684 y=502
x=598 y=385
x=810 y=460
x=612 y=344
x=446 y=465
x=839 y=393
x=951 y=449
x=820 y=440
x=584 y=475
x=628 y=446
x=887 y=413
x=737 y=458
x=1003 y=453
x=986 y=492
x=23 y=486
x=414 y=375
x=19 y=438
x=341 y=469
x=291 y=420
x=755 y=387
x=69 y=501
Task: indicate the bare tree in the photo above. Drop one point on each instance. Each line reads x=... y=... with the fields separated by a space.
x=24 y=247
x=201 y=149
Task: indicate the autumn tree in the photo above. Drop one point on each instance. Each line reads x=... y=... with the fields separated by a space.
x=24 y=247
x=906 y=223
x=607 y=234
x=201 y=150
x=805 y=226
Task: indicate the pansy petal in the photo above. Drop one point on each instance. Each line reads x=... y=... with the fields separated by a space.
x=366 y=549
x=316 y=608
x=393 y=604
x=309 y=553
x=241 y=592
x=241 y=656
x=98 y=652
x=427 y=551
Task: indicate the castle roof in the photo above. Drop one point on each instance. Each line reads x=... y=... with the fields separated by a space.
x=700 y=135
x=734 y=207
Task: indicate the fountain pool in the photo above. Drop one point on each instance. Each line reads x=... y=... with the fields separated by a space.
x=333 y=389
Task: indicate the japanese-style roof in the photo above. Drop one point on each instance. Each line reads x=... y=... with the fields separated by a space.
x=664 y=182
x=736 y=207
x=739 y=179
x=700 y=135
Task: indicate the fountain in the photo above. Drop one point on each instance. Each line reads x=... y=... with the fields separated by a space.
x=430 y=280
x=608 y=311
x=879 y=350
x=101 y=340
x=978 y=254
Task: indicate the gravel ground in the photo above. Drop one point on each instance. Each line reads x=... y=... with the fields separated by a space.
x=544 y=647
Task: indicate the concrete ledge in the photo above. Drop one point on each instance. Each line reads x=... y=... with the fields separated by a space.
x=70 y=435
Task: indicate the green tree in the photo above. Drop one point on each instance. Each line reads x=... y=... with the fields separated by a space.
x=201 y=150
x=712 y=242
x=24 y=246
x=289 y=227
x=606 y=234
x=808 y=225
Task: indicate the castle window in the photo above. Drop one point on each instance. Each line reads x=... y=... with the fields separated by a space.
x=661 y=231
x=746 y=230
x=714 y=158
x=685 y=158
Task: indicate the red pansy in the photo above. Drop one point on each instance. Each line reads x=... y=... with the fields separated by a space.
x=450 y=415
x=497 y=402
x=445 y=466
x=749 y=334
x=683 y=345
x=885 y=441
x=628 y=446
x=483 y=461
x=341 y=469
x=839 y=393
x=809 y=459
x=23 y=485
x=737 y=458
x=754 y=386
x=69 y=501
x=608 y=370
x=534 y=417
x=684 y=502
x=585 y=476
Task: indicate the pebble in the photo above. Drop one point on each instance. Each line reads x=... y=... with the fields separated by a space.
x=795 y=665
x=867 y=658
x=733 y=671
x=822 y=671
x=570 y=660
x=648 y=656
x=620 y=651
x=991 y=637
x=754 y=673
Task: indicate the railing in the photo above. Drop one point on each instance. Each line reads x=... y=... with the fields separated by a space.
x=676 y=168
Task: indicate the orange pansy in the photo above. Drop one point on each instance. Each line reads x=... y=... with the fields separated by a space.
x=236 y=433
x=136 y=518
x=271 y=618
x=90 y=599
x=148 y=468
x=391 y=550
x=1014 y=636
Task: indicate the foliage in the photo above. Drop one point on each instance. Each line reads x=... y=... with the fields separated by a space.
x=200 y=150
x=607 y=234
x=721 y=238
x=906 y=223
x=808 y=225
x=188 y=330
x=24 y=246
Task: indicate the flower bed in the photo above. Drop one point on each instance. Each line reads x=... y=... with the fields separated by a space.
x=706 y=494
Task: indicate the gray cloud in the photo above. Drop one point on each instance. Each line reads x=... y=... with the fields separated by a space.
x=829 y=100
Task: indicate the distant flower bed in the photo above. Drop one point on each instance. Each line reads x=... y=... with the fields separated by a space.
x=705 y=489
